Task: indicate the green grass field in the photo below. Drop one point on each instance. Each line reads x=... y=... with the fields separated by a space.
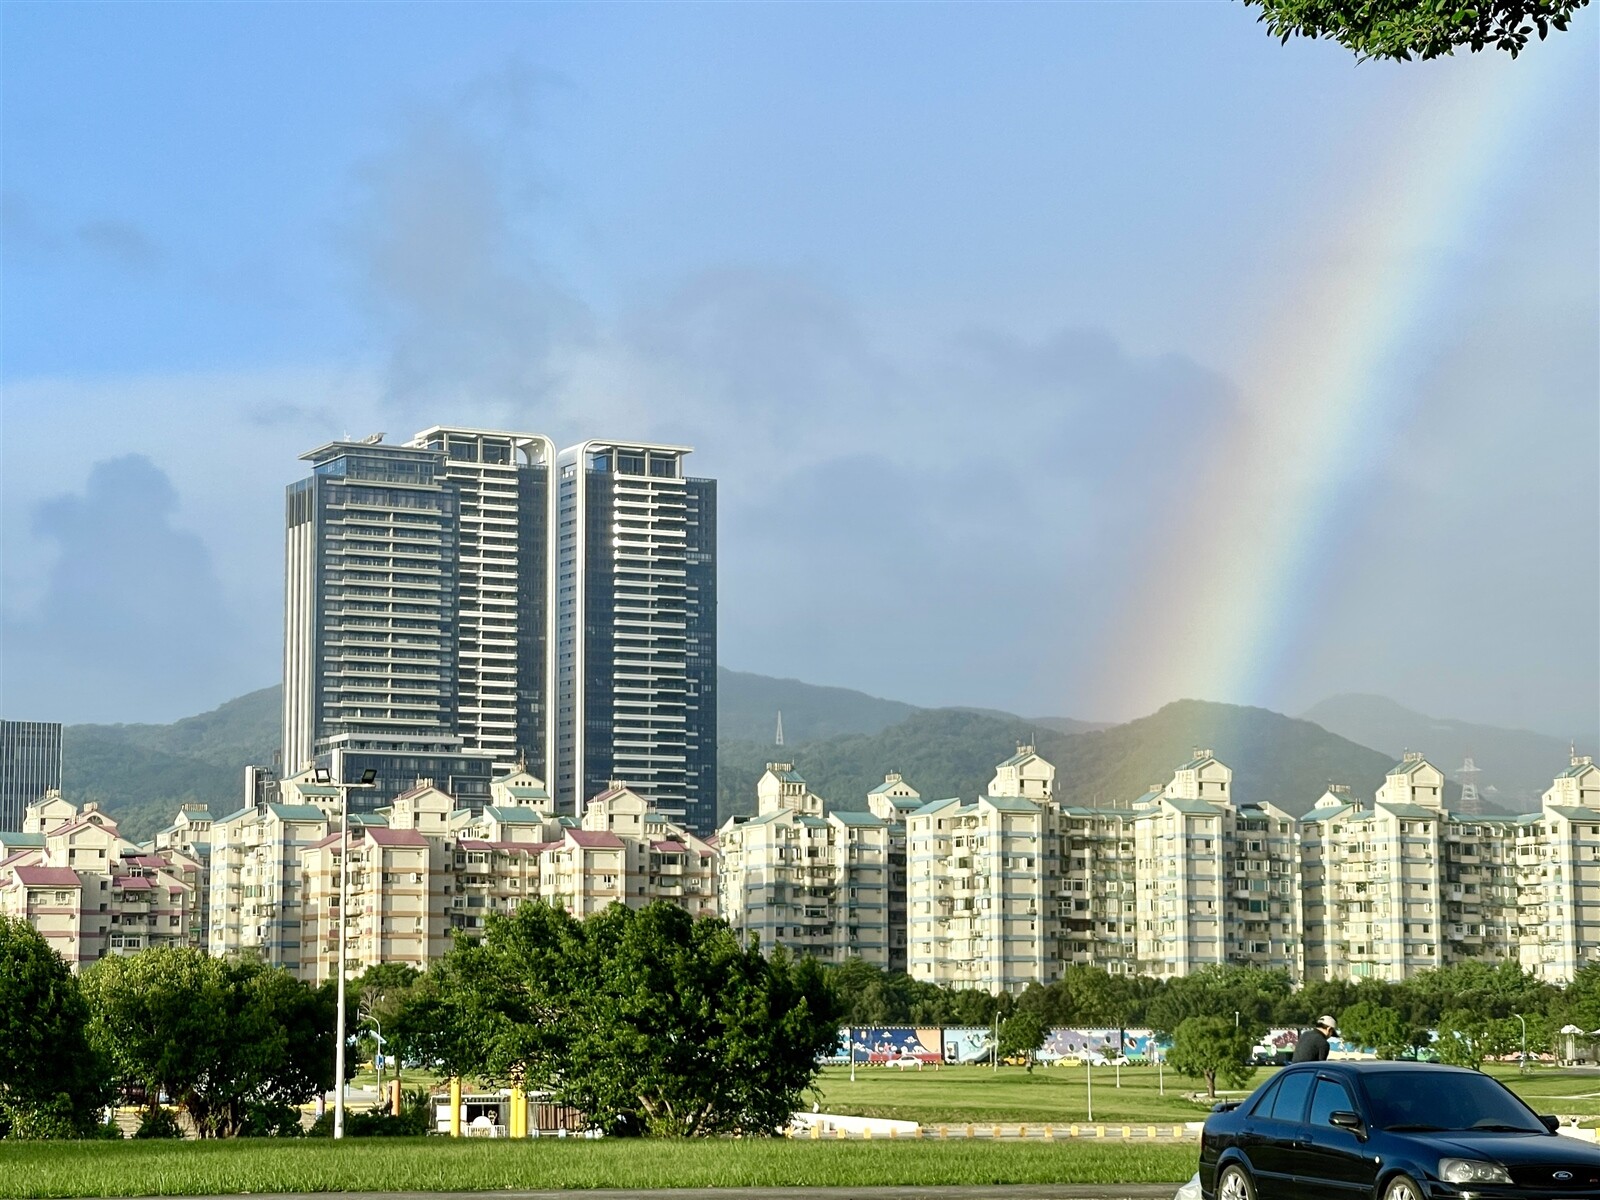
x=1058 y=1095
x=210 y=1168
x=954 y=1095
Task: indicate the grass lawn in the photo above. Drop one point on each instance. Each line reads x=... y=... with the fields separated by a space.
x=40 y=1169
x=955 y=1095
x=1058 y=1095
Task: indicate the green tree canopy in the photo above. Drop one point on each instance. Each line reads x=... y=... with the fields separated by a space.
x=1401 y=29
x=1023 y=1033
x=1211 y=1048
x=52 y=1083
x=239 y=1045
x=645 y=1019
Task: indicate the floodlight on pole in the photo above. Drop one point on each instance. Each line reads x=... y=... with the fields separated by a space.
x=323 y=775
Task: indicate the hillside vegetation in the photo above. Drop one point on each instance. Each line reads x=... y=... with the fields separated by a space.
x=843 y=742
x=1516 y=763
x=950 y=752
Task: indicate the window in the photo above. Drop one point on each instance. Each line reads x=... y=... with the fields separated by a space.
x=1290 y=1103
x=1329 y=1098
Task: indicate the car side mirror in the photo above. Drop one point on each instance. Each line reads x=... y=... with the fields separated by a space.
x=1345 y=1119
x=1553 y=1124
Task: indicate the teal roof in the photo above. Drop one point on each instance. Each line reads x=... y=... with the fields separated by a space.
x=1194 y=764
x=858 y=818
x=811 y=822
x=1194 y=808
x=1413 y=811
x=1408 y=768
x=933 y=806
x=297 y=812
x=789 y=776
x=886 y=786
x=1571 y=811
x=31 y=840
x=1326 y=814
x=317 y=789
x=513 y=816
x=1012 y=804
x=1017 y=759
x=376 y=820
x=1576 y=770
x=234 y=816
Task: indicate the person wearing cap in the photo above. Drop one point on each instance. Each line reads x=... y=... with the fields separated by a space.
x=1313 y=1043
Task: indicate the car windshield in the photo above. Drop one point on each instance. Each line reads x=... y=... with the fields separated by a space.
x=1421 y=1101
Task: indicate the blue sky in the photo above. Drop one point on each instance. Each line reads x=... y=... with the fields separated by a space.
x=955 y=300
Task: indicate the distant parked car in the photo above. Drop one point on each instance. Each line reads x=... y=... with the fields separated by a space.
x=1389 y=1131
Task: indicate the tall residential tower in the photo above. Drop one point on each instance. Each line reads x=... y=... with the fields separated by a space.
x=30 y=766
x=636 y=629
x=440 y=622
x=416 y=609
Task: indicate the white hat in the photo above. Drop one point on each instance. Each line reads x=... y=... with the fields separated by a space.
x=1326 y=1023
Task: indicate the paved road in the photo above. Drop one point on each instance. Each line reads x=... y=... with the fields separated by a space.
x=1046 y=1191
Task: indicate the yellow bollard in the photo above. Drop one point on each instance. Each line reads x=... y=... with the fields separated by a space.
x=1126 y=1132
x=1074 y=1131
x=969 y=1131
x=455 y=1106
x=1150 y=1131
x=816 y=1132
x=842 y=1135
x=519 y=1114
x=1049 y=1133
x=1099 y=1131
x=994 y=1132
x=943 y=1132
x=866 y=1134
x=894 y=1132
x=1022 y=1131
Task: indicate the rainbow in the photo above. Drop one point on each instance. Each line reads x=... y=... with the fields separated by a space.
x=1231 y=585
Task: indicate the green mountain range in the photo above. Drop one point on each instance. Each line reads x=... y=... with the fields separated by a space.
x=842 y=741
x=1515 y=763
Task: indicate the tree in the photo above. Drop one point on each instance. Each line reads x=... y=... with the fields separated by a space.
x=1022 y=1033
x=1463 y=1038
x=238 y=1045
x=52 y=1084
x=645 y=1019
x=1211 y=1048
x=1399 y=29
x=1376 y=1028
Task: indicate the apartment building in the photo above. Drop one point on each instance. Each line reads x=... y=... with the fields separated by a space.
x=424 y=869
x=812 y=883
x=1180 y=851
x=256 y=881
x=1557 y=875
x=982 y=882
x=892 y=801
x=91 y=892
x=1097 y=900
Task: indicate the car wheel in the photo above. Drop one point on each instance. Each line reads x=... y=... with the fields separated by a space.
x=1235 y=1184
x=1402 y=1187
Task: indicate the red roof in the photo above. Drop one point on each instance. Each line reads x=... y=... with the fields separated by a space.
x=472 y=844
x=25 y=852
x=146 y=860
x=595 y=839
x=669 y=847
x=131 y=881
x=395 y=837
x=48 y=876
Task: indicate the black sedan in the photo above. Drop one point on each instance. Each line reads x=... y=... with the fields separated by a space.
x=1389 y=1131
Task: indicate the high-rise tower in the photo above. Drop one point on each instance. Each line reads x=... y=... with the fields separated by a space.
x=416 y=609
x=636 y=629
x=30 y=766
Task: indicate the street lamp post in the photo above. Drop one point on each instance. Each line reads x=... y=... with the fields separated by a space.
x=1522 y=1059
x=368 y=780
x=366 y=1015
